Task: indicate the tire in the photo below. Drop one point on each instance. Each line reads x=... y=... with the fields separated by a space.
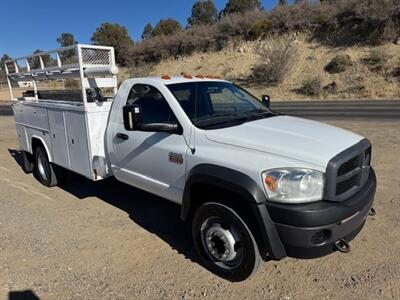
x=27 y=163
x=47 y=173
x=224 y=242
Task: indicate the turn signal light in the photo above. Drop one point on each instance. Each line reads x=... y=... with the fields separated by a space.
x=271 y=183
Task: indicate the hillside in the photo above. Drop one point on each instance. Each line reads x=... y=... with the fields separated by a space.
x=367 y=77
x=331 y=49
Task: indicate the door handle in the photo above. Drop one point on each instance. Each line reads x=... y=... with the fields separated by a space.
x=123 y=136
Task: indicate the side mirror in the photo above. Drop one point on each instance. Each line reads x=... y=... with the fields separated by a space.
x=266 y=100
x=132 y=115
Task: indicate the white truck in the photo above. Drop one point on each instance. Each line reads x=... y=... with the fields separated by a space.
x=255 y=184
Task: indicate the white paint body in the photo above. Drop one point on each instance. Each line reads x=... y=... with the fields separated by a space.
x=250 y=148
x=73 y=135
x=86 y=134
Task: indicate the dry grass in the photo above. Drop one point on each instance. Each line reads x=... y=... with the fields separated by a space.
x=338 y=23
x=5 y=95
x=376 y=60
x=275 y=60
x=236 y=61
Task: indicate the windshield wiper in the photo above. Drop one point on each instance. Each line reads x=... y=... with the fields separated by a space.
x=239 y=118
x=213 y=116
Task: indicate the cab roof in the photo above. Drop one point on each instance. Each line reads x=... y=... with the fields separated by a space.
x=179 y=79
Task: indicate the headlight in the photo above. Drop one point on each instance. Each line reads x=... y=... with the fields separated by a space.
x=292 y=185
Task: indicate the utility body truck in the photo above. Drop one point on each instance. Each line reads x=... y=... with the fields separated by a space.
x=255 y=184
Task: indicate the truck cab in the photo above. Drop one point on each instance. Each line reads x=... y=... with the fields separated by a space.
x=253 y=183
x=209 y=145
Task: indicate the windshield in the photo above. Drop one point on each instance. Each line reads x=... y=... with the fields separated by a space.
x=212 y=105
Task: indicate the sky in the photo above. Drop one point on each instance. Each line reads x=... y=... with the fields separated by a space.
x=29 y=25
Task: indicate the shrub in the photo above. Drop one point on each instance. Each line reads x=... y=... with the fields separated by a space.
x=336 y=22
x=330 y=88
x=275 y=61
x=166 y=27
x=117 y=36
x=359 y=22
x=376 y=60
x=311 y=87
x=262 y=28
x=338 y=64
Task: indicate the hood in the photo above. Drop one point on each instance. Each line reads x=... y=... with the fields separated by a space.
x=300 y=139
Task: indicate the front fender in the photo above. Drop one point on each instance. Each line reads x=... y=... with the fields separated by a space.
x=248 y=190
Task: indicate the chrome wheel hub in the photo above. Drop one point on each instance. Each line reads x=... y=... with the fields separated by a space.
x=221 y=241
x=41 y=168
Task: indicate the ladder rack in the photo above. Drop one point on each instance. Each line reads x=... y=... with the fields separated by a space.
x=93 y=65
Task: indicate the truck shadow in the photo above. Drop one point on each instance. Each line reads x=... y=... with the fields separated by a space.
x=22 y=295
x=157 y=215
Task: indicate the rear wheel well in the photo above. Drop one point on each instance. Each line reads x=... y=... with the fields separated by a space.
x=37 y=143
x=201 y=193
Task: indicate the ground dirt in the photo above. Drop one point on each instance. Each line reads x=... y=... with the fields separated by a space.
x=237 y=60
x=106 y=240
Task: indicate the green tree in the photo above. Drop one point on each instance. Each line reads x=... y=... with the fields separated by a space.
x=203 y=12
x=240 y=6
x=2 y=60
x=34 y=62
x=282 y=2
x=166 y=27
x=147 y=31
x=66 y=39
x=117 y=36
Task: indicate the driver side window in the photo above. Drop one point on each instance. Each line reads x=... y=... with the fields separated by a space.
x=155 y=108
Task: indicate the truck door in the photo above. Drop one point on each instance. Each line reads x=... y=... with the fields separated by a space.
x=152 y=161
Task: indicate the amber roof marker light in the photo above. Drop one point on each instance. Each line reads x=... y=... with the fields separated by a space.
x=166 y=77
x=187 y=76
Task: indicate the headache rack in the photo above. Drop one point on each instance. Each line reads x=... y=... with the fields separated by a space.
x=92 y=66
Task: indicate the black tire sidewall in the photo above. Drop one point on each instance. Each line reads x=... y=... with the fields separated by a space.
x=40 y=153
x=251 y=256
x=27 y=163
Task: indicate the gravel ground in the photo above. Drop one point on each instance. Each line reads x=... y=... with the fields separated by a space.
x=107 y=240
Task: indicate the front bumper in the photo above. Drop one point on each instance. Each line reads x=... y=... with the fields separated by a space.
x=310 y=230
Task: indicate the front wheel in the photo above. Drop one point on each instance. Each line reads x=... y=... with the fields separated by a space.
x=224 y=242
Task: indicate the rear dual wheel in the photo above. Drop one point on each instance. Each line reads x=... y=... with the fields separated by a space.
x=224 y=243
x=47 y=173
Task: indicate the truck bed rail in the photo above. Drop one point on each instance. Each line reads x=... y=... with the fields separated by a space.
x=93 y=65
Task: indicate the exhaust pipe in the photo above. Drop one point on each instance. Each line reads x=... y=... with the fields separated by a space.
x=343 y=246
